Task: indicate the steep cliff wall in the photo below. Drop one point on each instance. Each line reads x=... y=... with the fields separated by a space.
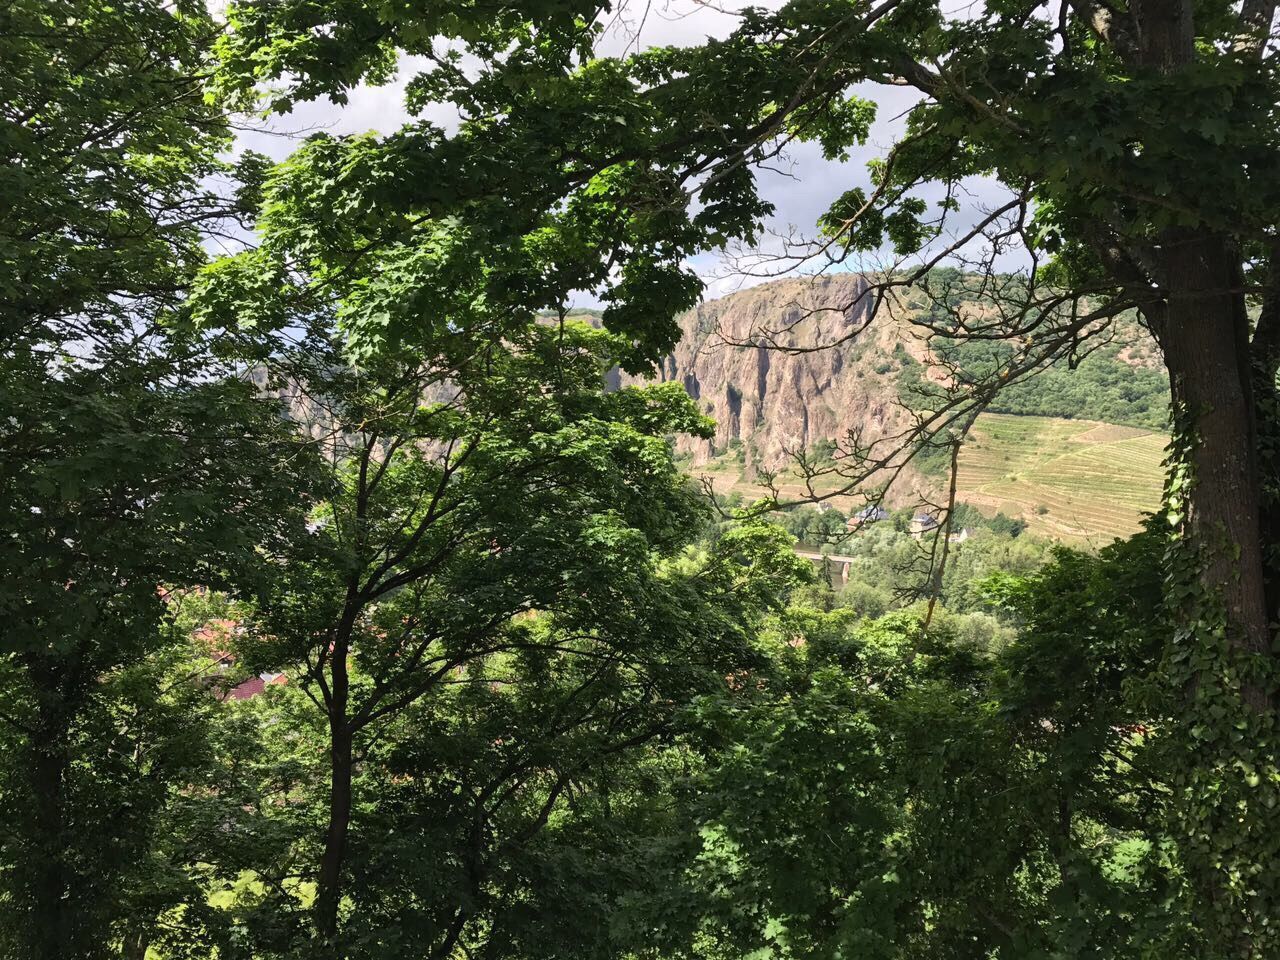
x=779 y=400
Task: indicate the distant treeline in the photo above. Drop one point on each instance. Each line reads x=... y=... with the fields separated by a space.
x=1102 y=386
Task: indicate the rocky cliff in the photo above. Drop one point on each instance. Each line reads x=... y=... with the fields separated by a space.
x=790 y=394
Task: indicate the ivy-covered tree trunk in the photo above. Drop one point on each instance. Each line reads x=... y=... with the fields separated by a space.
x=1224 y=773
x=1205 y=338
x=1206 y=350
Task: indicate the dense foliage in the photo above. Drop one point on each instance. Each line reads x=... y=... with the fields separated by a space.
x=1101 y=386
x=348 y=614
x=1116 y=378
x=133 y=458
x=892 y=792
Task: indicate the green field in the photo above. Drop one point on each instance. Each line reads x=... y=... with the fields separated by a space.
x=1069 y=479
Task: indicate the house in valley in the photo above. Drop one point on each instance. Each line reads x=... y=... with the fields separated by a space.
x=923 y=523
x=872 y=513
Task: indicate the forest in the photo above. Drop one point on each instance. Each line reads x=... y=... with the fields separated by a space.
x=356 y=604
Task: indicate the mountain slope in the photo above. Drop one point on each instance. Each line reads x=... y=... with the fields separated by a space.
x=1070 y=476
x=1069 y=479
x=778 y=400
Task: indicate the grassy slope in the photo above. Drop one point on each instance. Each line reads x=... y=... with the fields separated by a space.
x=1092 y=480
x=1073 y=480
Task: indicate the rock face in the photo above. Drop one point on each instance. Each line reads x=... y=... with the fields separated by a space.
x=755 y=362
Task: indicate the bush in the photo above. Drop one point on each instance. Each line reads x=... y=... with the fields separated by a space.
x=864 y=599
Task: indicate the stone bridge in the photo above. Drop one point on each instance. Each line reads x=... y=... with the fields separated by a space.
x=832 y=557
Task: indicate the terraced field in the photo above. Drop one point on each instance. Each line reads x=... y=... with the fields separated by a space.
x=1079 y=481
x=1074 y=480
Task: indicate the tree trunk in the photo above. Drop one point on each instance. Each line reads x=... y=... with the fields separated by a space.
x=136 y=944
x=1207 y=353
x=52 y=923
x=1205 y=337
x=1264 y=351
x=329 y=879
x=329 y=884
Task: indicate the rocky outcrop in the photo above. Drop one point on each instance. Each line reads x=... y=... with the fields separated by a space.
x=787 y=364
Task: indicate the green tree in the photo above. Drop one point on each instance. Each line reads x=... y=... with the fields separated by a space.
x=107 y=135
x=494 y=612
x=116 y=487
x=892 y=793
x=541 y=191
x=1137 y=150
x=132 y=455
x=444 y=250
x=1137 y=147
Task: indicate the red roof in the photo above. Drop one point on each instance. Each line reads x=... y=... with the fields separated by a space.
x=250 y=688
x=255 y=685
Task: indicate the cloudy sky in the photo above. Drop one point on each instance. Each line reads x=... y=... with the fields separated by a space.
x=801 y=184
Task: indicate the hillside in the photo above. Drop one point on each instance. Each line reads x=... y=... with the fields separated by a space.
x=1069 y=479
x=1046 y=454
x=1060 y=476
